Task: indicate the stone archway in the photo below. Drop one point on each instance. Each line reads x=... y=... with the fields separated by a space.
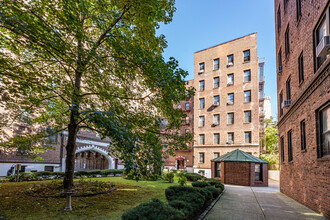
x=93 y=157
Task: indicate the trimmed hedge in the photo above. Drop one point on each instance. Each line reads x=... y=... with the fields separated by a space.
x=193 y=176
x=152 y=210
x=215 y=191
x=216 y=183
x=200 y=184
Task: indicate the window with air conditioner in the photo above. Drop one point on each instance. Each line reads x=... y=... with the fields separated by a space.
x=201 y=67
x=230 y=100
x=187 y=106
x=230 y=59
x=216 y=64
x=216 y=100
x=230 y=79
x=216 y=138
x=230 y=138
x=187 y=120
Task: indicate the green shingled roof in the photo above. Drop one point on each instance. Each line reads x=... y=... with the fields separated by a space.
x=238 y=156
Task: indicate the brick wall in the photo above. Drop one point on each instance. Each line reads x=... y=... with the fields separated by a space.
x=306 y=178
x=236 y=173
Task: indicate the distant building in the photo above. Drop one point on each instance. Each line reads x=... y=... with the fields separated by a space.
x=226 y=102
x=303 y=92
x=268 y=107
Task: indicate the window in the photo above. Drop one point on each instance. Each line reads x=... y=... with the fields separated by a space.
x=201 y=139
x=201 y=103
x=285 y=3
x=282 y=149
x=187 y=131
x=49 y=168
x=216 y=100
x=320 y=32
x=258 y=171
x=247 y=96
x=178 y=106
x=230 y=118
x=246 y=55
x=216 y=138
x=201 y=67
x=247 y=116
x=187 y=120
x=187 y=107
x=298 y=9
x=230 y=79
x=303 y=134
x=287 y=41
x=247 y=137
x=216 y=155
x=324 y=131
x=288 y=89
x=230 y=60
x=201 y=172
x=230 y=138
x=217 y=172
x=280 y=60
x=230 y=99
x=247 y=75
x=301 y=67
x=201 y=121
x=201 y=85
x=201 y=157
x=216 y=82
x=290 y=156
x=279 y=19
x=216 y=119
x=216 y=64
x=281 y=103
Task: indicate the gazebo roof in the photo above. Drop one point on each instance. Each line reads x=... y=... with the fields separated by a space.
x=238 y=156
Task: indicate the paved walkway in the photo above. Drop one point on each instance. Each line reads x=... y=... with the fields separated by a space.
x=243 y=202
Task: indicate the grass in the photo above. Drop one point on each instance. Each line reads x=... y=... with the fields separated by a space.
x=15 y=204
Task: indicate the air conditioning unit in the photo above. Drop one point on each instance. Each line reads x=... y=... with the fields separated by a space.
x=230 y=83
x=215 y=123
x=279 y=69
x=323 y=48
x=230 y=142
x=246 y=59
x=216 y=104
x=230 y=64
x=286 y=103
x=230 y=102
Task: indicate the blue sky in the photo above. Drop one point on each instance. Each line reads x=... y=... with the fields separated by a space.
x=199 y=24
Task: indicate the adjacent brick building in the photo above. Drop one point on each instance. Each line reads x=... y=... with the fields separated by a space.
x=226 y=103
x=303 y=89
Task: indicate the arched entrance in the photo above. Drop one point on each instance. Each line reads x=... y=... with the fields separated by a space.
x=92 y=158
x=180 y=163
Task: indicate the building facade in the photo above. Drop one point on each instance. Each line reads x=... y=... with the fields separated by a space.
x=226 y=102
x=184 y=159
x=303 y=93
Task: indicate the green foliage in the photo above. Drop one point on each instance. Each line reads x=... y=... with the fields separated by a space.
x=200 y=184
x=152 y=210
x=271 y=139
x=169 y=177
x=193 y=176
x=182 y=180
x=88 y=65
x=215 y=191
x=215 y=183
x=186 y=208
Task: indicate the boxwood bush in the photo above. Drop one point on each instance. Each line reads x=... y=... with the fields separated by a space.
x=193 y=176
x=215 y=191
x=152 y=210
x=200 y=184
x=216 y=183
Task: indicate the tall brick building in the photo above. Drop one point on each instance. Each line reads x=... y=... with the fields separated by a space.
x=226 y=103
x=303 y=92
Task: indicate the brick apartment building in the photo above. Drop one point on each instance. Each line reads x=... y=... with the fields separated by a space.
x=183 y=159
x=226 y=102
x=303 y=92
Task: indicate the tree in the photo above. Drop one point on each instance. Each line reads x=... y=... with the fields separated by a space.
x=271 y=139
x=92 y=64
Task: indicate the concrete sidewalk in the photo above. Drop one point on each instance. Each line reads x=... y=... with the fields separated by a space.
x=243 y=202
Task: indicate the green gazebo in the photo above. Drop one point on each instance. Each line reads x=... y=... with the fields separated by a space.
x=240 y=168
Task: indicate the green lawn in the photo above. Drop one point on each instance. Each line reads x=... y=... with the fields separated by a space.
x=15 y=204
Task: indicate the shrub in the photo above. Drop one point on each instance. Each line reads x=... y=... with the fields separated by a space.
x=152 y=210
x=216 y=183
x=169 y=177
x=200 y=184
x=183 y=206
x=182 y=180
x=207 y=195
x=215 y=191
x=193 y=176
x=93 y=172
x=81 y=173
x=113 y=172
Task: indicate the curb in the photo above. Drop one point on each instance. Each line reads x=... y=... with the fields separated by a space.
x=208 y=209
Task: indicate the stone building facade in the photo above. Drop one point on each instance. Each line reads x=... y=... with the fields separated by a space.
x=303 y=93
x=226 y=102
